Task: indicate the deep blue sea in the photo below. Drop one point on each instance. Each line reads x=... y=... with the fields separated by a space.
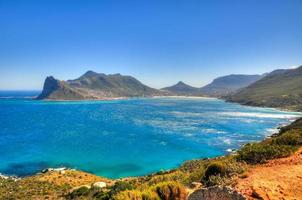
x=122 y=138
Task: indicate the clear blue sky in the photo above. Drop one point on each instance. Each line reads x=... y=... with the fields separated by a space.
x=158 y=42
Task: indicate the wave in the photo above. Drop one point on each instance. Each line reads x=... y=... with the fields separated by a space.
x=261 y=115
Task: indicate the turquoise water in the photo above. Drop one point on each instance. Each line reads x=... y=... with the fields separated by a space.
x=125 y=137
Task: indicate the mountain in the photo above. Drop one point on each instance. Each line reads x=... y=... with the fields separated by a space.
x=280 y=88
x=94 y=85
x=182 y=89
x=226 y=85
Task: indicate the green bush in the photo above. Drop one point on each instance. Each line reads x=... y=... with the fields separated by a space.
x=195 y=176
x=259 y=152
x=150 y=195
x=162 y=191
x=292 y=137
x=82 y=191
x=215 y=168
x=120 y=186
x=136 y=195
x=128 y=195
x=217 y=180
x=170 y=191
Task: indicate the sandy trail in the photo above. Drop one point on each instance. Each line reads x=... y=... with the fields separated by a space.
x=277 y=179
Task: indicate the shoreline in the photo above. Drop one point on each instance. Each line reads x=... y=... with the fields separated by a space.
x=152 y=97
x=127 y=98
x=226 y=151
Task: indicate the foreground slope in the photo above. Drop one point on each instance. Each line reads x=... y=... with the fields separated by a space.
x=278 y=179
x=94 y=85
x=280 y=89
x=229 y=84
x=182 y=89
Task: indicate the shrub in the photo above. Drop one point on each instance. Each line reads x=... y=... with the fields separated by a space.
x=120 y=186
x=217 y=180
x=128 y=195
x=195 y=176
x=78 y=192
x=292 y=137
x=259 y=152
x=150 y=195
x=136 y=195
x=170 y=191
x=215 y=168
x=101 y=195
x=192 y=165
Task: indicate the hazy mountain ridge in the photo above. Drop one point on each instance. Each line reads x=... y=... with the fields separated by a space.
x=94 y=85
x=219 y=87
x=229 y=84
x=280 y=89
x=183 y=89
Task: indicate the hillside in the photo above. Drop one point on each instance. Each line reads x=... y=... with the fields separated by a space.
x=229 y=84
x=263 y=181
x=94 y=85
x=182 y=89
x=280 y=89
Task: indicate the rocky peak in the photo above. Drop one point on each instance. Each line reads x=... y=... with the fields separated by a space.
x=180 y=83
x=89 y=73
x=50 y=84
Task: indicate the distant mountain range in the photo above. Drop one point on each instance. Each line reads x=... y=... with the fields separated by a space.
x=219 y=87
x=226 y=85
x=94 y=85
x=279 y=89
x=183 y=89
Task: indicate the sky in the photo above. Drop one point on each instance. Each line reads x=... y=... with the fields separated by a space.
x=160 y=42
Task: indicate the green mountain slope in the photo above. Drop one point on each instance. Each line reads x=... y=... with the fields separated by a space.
x=280 y=88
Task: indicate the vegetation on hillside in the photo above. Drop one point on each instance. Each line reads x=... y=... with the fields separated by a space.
x=279 y=89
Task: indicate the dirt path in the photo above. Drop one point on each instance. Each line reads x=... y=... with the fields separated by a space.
x=277 y=179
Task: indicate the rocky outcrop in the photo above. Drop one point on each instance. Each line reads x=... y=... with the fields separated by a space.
x=216 y=193
x=54 y=89
x=50 y=84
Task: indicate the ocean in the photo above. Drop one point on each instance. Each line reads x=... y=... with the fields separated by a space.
x=120 y=138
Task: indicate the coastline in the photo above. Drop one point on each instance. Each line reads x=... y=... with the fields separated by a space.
x=163 y=96
x=128 y=98
x=270 y=133
x=186 y=175
x=276 y=131
x=71 y=183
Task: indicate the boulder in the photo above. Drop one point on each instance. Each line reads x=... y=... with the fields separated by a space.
x=216 y=193
x=99 y=184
